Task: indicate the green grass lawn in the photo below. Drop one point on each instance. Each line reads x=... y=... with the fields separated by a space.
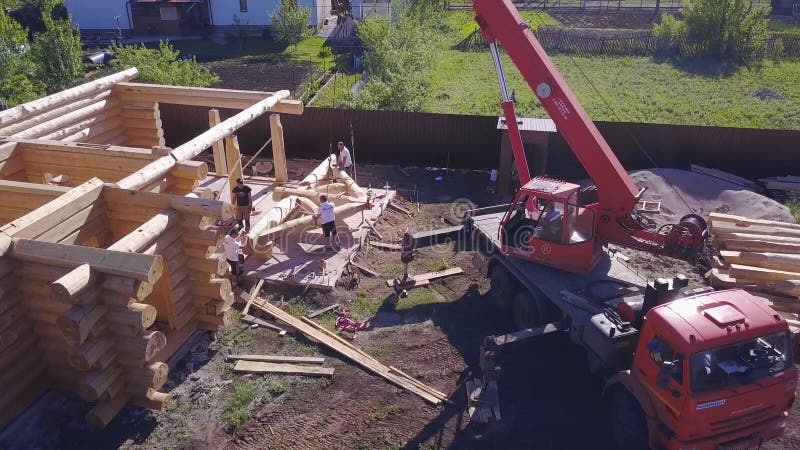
x=310 y=49
x=338 y=93
x=638 y=89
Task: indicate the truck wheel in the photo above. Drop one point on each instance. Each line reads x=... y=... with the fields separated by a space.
x=503 y=287
x=628 y=422
x=526 y=314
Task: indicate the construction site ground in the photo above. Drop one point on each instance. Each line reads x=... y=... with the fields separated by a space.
x=549 y=400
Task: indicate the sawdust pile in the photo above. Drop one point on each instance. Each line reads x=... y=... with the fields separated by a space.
x=703 y=194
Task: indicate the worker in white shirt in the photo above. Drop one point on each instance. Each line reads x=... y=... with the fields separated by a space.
x=232 y=245
x=345 y=160
x=327 y=217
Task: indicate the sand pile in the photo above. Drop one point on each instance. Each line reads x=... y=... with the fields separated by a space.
x=703 y=194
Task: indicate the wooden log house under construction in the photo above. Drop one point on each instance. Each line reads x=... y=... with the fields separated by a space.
x=110 y=252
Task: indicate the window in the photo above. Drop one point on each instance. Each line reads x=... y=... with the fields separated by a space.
x=243 y=5
x=660 y=351
x=741 y=363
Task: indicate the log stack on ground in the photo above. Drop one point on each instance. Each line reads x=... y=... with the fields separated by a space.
x=760 y=255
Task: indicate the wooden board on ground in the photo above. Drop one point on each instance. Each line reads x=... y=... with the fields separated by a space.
x=288 y=369
x=278 y=359
x=316 y=332
x=386 y=246
x=323 y=310
x=418 y=280
x=263 y=323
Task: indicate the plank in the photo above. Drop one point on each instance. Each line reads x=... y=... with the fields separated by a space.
x=278 y=359
x=322 y=311
x=715 y=218
x=760 y=245
x=431 y=275
x=263 y=323
x=386 y=246
x=369 y=272
x=288 y=369
x=36 y=189
x=777 y=261
x=330 y=340
x=761 y=274
x=716 y=173
x=252 y=296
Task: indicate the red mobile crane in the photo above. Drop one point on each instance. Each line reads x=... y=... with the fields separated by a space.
x=683 y=370
x=550 y=221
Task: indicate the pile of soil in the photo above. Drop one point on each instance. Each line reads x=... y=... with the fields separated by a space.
x=682 y=192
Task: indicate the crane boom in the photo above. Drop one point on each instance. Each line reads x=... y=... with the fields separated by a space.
x=501 y=22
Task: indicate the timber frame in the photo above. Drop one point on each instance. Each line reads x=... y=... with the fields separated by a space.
x=109 y=251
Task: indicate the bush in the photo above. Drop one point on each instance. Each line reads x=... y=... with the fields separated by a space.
x=162 y=66
x=727 y=28
x=669 y=33
x=291 y=23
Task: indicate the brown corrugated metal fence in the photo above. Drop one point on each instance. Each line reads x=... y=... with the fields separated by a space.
x=473 y=142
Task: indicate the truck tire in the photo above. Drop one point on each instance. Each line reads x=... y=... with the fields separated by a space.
x=628 y=422
x=526 y=314
x=503 y=287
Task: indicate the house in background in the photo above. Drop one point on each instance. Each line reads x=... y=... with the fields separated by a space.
x=172 y=17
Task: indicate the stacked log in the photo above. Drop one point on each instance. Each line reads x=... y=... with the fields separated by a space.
x=79 y=114
x=12 y=167
x=762 y=255
x=141 y=123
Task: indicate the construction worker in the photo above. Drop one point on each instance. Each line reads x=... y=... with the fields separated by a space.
x=244 y=204
x=232 y=245
x=345 y=161
x=327 y=217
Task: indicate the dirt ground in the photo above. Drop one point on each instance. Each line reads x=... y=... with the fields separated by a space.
x=260 y=74
x=623 y=20
x=549 y=400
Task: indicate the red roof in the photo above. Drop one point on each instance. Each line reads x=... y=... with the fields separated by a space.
x=715 y=319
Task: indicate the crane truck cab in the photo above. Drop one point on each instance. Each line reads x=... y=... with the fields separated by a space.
x=710 y=371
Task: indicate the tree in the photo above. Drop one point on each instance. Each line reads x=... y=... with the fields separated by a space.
x=397 y=60
x=291 y=23
x=56 y=53
x=16 y=68
x=162 y=66
x=727 y=28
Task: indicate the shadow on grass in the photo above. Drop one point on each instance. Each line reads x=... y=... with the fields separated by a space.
x=702 y=66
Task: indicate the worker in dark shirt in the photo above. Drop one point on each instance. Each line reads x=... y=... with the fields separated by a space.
x=244 y=204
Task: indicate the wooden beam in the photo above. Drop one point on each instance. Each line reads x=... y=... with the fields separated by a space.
x=139 y=239
x=208 y=97
x=127 y=198
x=131 y=265
x=233 y=155
x=777 y=261
x=218 y=147
x=288 y=369
x=278 y=149
x=21 y=187
x=193 y=170
x=278 y=359
x=739 y=220
x=52 y=213
x=760 y=274
x=65 y=97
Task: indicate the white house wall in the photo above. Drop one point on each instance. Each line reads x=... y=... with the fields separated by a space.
x=98 y=14
x=258 y=11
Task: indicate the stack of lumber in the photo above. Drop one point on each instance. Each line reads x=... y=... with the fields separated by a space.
x=85 y=113
x=787 y=187
x=100 y=321
x=318 y=333
x=758 y=254
x=140 y=123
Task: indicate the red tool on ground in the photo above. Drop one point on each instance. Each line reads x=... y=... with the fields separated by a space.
x=345 y=321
